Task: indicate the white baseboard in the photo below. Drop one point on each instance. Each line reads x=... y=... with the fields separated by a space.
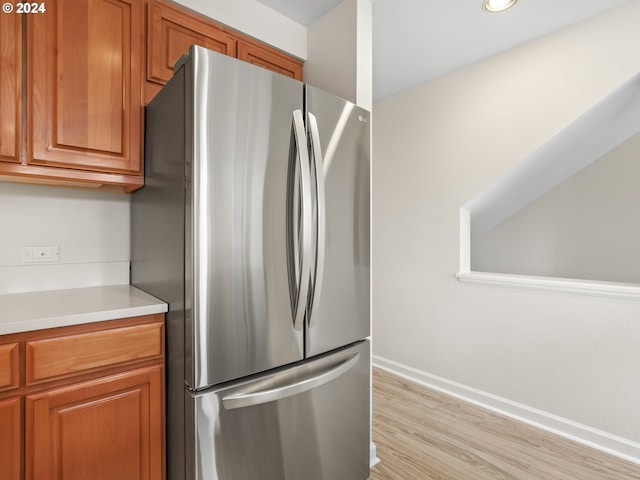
x=598 y=439
x=373 y=458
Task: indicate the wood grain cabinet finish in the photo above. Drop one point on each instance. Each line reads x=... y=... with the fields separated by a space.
x=170 y=31
x=104 y=429
x=10 y=87
x=268 y=58
x=84 y=85
x=84 y=402
x=49 y=358
x=10 y=438
x=9 y=367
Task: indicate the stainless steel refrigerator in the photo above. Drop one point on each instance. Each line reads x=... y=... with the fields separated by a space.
x=253 y=225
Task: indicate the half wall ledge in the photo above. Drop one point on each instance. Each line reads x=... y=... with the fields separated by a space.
x=626 y=291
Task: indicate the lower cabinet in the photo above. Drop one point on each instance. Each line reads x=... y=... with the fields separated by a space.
x=10 y=441
x=103 y=429
x=84 y=402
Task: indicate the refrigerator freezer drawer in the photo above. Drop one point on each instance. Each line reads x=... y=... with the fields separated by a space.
x=306 y=422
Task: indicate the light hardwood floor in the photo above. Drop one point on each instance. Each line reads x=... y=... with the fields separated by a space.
x=423 y=434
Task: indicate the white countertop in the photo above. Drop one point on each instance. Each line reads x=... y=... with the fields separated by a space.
x=23 y=312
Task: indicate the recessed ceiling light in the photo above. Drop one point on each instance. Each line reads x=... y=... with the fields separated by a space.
x=498 y=5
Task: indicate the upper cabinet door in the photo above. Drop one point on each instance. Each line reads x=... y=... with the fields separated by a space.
x=269 y=58
x=170 y=31
x=10 y=87
x=84 y=79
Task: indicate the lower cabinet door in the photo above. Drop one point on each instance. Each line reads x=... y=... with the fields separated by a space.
x=110 y=428
x=10 y=439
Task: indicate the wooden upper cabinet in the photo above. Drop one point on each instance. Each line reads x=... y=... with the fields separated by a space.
x=257 y=54
x=10 y=87
x=171 y=30
x=84 y=85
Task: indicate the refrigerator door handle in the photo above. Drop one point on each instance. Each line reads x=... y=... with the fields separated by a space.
x=281 y=385
x=318 y=162
x=300 y=293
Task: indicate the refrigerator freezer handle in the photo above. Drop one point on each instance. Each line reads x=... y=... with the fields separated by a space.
x=252 y=395
x=316 y=151
x=300 y=304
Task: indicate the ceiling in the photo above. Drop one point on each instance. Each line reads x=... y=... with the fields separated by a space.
x=415 y=41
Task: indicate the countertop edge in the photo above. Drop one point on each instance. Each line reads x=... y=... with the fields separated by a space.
x=27 y=312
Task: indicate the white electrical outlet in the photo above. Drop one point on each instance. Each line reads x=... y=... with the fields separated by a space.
x=42 y=254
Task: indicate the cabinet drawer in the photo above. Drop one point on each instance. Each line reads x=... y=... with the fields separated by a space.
x=8 y=366
x=80 y=353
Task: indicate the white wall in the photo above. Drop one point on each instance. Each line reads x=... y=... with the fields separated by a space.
x=90 y=227
x=437 y=146
x=256 y=20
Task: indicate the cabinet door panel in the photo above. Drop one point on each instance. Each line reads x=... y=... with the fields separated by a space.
x=9 y=366
x=171 y=31
x=104 y=429
x=270 y=59
x=10 y=87
x=84 y=79
x=10 y=439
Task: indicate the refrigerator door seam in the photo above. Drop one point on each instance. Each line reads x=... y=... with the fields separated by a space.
x=318 y=270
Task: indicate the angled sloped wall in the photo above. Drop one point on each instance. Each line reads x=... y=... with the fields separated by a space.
x=587 y=227
x=571 y=357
